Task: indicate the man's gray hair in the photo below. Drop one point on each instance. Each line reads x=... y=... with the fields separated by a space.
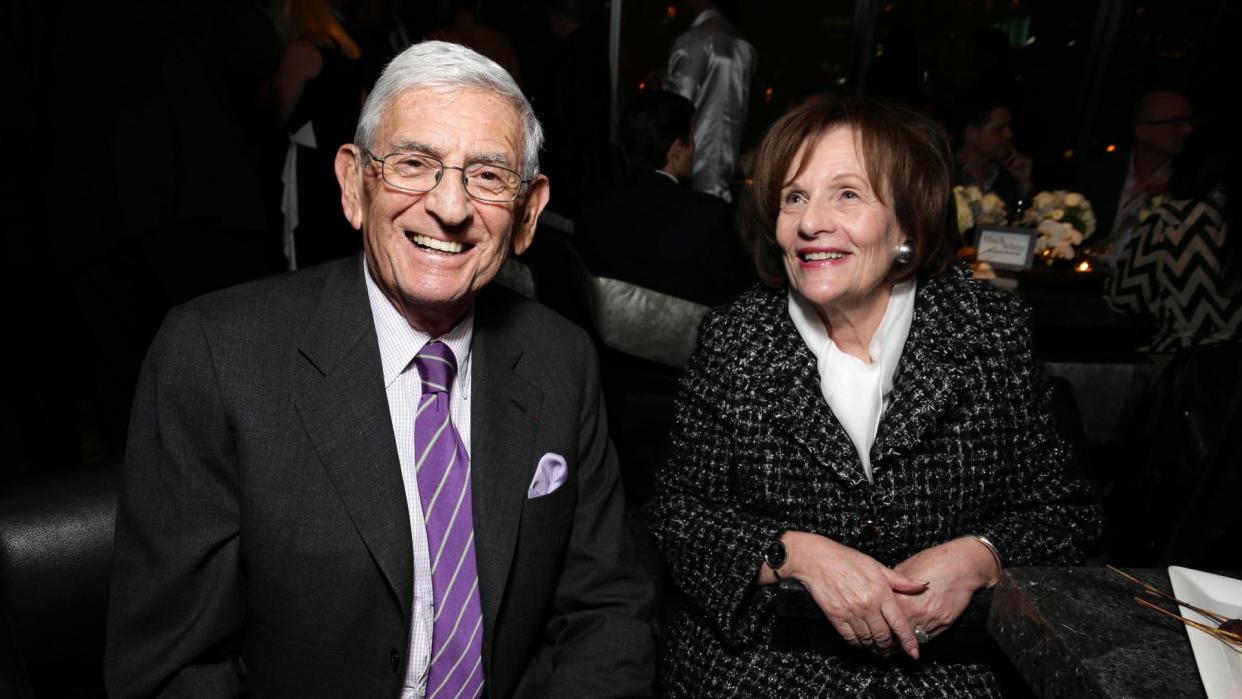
x=439 y=65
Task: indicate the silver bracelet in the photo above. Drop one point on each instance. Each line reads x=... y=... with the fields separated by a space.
x=995 y=555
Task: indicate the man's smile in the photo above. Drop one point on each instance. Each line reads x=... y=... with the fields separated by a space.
x=446 y=247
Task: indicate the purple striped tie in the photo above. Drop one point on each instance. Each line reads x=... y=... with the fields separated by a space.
x=456 y=670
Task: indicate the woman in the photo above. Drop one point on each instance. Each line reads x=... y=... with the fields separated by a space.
x=872 y=426
x=1183 y=269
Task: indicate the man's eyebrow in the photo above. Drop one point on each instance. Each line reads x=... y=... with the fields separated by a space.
x=410 y=144
x=495 y=158
x=492 y=159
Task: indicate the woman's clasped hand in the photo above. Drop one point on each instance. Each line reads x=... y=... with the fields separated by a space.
x=878 y=608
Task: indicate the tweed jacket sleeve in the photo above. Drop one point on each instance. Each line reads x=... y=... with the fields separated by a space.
x=967 y=445
x=713 y=545
x=1045 y=515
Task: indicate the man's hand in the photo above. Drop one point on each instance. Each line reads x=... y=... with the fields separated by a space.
x=954 y=571
x=1020 y=167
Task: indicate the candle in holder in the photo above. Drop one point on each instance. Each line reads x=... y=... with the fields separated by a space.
x=1083 y=266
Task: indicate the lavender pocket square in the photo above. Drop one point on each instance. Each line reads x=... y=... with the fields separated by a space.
x=549 y=475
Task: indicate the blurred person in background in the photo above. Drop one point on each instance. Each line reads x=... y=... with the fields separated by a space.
x=986 y=157
x=317 y=94
x=653 y=230
x=1123 y=186
x=711 y=65
x=1182 y=266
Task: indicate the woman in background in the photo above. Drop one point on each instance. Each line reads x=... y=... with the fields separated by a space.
x=1183 y=268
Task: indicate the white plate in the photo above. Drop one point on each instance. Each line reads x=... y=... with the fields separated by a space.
x=1220 y=665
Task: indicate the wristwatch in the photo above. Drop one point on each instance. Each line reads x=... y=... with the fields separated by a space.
x=775 y=556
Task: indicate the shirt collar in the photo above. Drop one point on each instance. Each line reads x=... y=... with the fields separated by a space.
x=706 y=15
x=399 y=341
x=667 y=174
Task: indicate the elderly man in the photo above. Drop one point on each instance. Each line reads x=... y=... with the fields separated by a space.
x=376 y=477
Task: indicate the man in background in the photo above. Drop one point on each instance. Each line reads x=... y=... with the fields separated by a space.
x=711 y=65
x=986 y=157
x=1121 y=186
x=654 y=231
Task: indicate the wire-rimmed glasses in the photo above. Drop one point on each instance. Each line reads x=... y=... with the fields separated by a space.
x=419 y=172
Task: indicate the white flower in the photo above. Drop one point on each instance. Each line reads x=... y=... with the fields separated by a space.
x=972 y=194
x=965 y=218
x=1057 y=214
x=1073 y=199
x=1043 y=200
x=992 y=209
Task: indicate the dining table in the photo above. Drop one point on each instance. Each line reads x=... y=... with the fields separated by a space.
x=1078 y=632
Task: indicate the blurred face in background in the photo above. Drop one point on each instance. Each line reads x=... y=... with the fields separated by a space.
x=1165 y=122
x=993 y=140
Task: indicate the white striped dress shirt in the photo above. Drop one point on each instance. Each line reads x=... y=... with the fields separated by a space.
x=398 y=343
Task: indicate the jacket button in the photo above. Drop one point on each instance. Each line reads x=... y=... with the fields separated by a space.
x=870 y=532
x=395 y=658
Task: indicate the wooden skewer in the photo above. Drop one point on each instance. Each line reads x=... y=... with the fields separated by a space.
x=1218 y=618
x=1220 y=634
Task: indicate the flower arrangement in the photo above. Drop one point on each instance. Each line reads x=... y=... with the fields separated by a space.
x=1063 y=220
x=975 y=207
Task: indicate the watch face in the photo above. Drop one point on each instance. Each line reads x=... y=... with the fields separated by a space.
x=775 y=555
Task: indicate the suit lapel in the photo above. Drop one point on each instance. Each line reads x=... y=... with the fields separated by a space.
x=927 y=379
x=930 y=373
x=504 y=418
x=344 y=409
x=790 y=392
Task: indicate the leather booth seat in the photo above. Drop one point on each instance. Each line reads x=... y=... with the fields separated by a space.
x=56 y=532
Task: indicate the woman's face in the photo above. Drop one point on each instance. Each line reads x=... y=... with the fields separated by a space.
x=839 y=241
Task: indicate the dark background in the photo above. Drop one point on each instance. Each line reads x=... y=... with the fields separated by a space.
x=135 y=181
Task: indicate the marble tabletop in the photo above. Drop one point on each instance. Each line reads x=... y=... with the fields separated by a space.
x=1077 y=632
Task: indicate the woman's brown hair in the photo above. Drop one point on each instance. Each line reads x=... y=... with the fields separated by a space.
x=908 y=162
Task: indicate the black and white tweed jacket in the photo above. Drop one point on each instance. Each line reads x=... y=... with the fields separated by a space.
x=967 y=446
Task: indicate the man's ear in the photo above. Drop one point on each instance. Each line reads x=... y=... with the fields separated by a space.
x=349 y=175
x=528 y=214
x=673 y=156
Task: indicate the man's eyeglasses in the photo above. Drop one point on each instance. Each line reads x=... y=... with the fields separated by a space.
x=419 y=172
x=1172 y=121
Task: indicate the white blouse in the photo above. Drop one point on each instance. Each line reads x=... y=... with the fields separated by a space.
x=857 y=392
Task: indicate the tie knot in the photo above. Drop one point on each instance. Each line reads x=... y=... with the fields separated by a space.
x=436 y=367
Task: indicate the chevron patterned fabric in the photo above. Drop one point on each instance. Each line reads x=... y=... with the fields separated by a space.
x=1172 y=271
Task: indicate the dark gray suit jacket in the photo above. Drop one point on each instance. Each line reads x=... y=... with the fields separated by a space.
x=263 y=539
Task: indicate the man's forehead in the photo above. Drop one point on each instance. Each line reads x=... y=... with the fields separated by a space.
x=1171 y=105
x=436 y=121
x=1000 y=116
x=1164 y=105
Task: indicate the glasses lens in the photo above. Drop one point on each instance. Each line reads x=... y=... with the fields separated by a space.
x=492 y=182
x=412 y=171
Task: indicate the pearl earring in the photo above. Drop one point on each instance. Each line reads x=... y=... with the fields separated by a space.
x=905 y=252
